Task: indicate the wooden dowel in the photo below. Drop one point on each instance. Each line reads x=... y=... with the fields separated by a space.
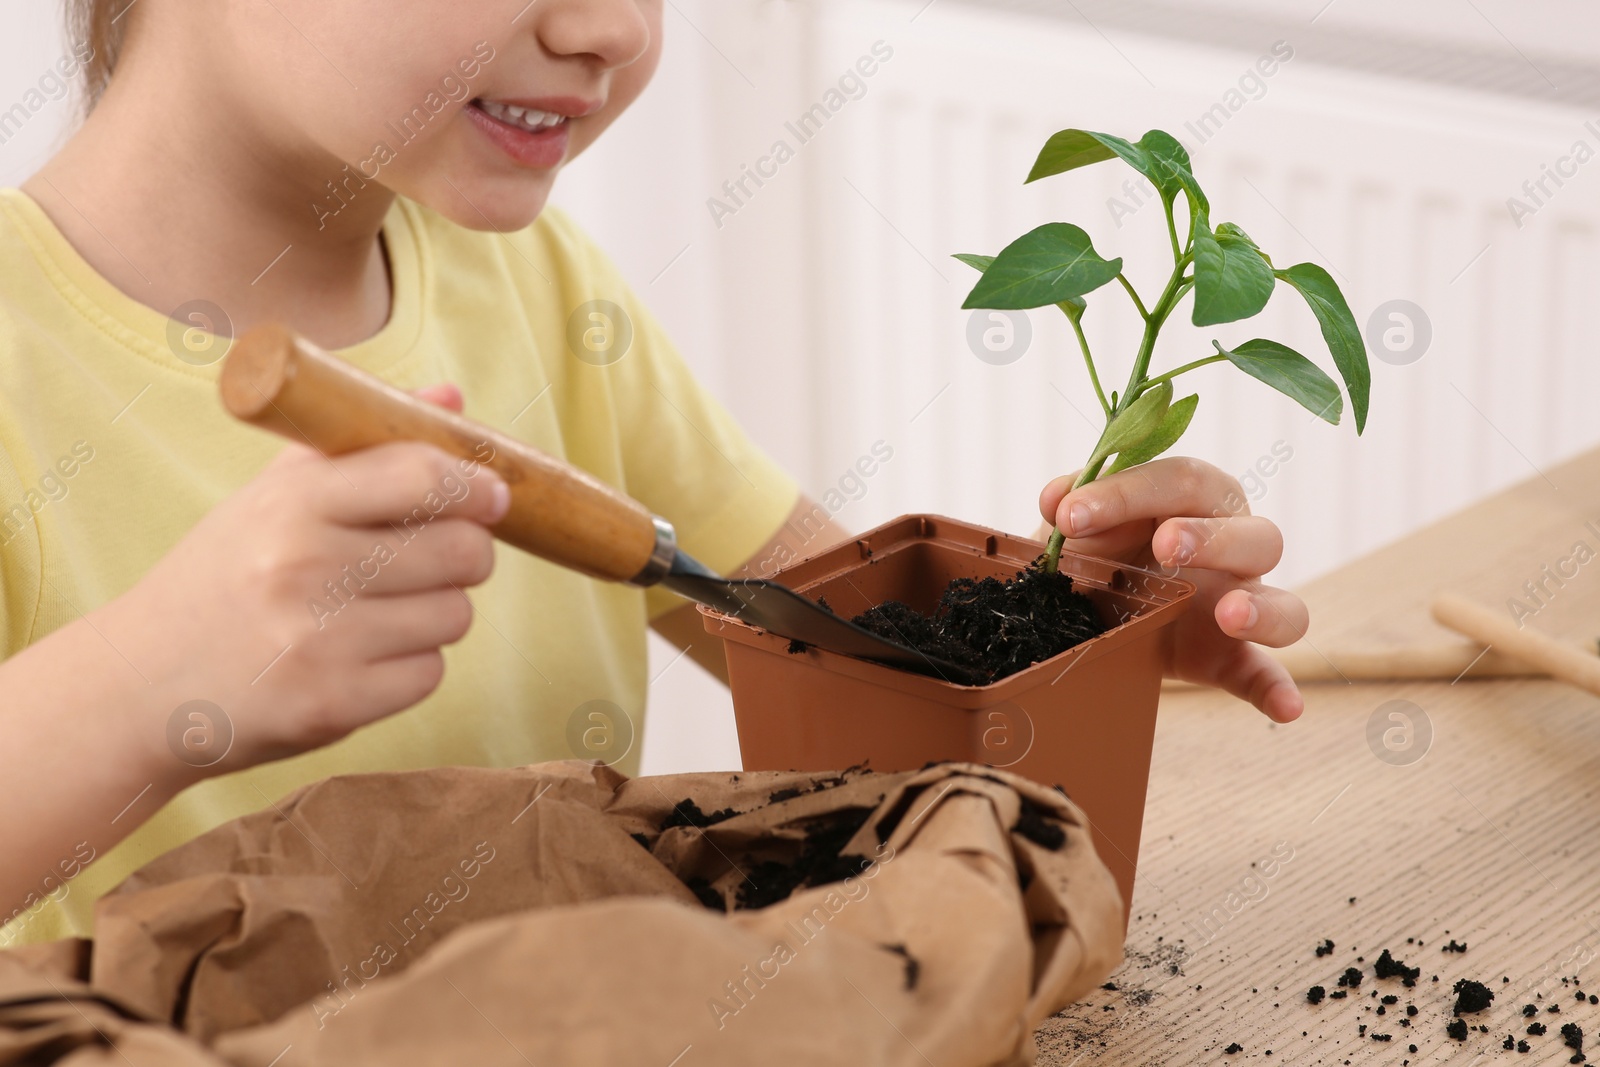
x=1497 y=629
x=1446 y=660
x=1443 y=661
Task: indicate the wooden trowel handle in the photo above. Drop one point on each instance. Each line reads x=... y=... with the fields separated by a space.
x=281 y=382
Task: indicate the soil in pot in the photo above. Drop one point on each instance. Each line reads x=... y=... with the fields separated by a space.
x=995 y=628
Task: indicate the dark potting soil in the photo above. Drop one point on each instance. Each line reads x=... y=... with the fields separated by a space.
x=819 y=863
x=708 y=896
x=1572 y=1035
x=687 y=813
x=1457 y=1030
x=818 y=785
x=913 y=965
x=1036 y=826
x=1389 y=967
x=1471 y=996
x=994 y=628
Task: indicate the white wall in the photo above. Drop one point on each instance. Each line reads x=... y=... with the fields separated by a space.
x=825 y=311
x=30 y=43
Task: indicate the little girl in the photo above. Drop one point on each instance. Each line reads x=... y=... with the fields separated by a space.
x=374 y=174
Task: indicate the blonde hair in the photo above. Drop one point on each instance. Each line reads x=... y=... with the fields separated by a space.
x=99 y=25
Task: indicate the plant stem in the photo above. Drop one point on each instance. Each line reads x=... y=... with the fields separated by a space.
x=1123 y=278
x=1083 y=343
x=1196 y=365
x=1177 y=286
x=1052 y=555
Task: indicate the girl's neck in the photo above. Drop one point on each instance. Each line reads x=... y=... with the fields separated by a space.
x=174 y=202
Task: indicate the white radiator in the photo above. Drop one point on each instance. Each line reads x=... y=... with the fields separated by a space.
x=830 y=289
x=829 y=292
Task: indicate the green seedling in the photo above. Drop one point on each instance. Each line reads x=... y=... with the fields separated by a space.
x=1231 y=279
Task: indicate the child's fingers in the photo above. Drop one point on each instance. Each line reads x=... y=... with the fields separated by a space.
x=391 y=626
x=1250 y=674
x=1260 y=613
x=1054 y=493
x=1246 y=547
x=1155 y=490
x=406 y=482
x=395 y=684
x=445 y=394
x=442 y=553
x=1129 y=542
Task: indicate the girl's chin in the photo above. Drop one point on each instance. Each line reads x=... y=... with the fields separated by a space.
x=497 y=205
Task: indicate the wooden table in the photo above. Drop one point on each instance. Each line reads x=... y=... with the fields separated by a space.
x=1489 y=834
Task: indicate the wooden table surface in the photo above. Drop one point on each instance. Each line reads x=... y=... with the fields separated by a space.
x=1487 y=833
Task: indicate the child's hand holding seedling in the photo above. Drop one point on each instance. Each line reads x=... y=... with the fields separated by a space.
x=1184 y=513
x=1180 y=512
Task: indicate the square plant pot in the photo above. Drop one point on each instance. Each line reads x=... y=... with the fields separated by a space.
x=1084 y=720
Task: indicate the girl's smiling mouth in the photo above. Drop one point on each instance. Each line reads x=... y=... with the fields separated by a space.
x=532 y=132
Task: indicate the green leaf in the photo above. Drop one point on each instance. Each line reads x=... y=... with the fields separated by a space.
x=1073 y=307
x=1339 y=330
x=1053 y=263
x=980 y=263
x=1071 y=149
x=1173 y=425
x=1158 y=156
x=1230 y=228
x=1171 y=170
x=1231 y=279
x=1289 y=373
x=1141 y=419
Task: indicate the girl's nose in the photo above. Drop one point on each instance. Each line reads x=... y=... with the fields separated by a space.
x=615 y=32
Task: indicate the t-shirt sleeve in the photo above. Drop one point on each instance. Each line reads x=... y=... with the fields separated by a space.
x=683 y=455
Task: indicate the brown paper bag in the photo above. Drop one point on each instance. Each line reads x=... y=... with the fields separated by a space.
x=562 y=914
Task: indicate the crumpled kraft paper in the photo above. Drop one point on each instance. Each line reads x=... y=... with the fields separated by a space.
x=544 y=915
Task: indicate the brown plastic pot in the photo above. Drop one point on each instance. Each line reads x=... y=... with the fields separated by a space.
x=1084 y=720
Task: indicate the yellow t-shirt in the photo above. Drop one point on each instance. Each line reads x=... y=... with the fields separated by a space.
x=112 y=447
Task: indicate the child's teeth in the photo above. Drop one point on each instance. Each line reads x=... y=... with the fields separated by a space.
x=527 y=118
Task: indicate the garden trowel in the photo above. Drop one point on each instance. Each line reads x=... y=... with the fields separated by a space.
x=281 y=382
